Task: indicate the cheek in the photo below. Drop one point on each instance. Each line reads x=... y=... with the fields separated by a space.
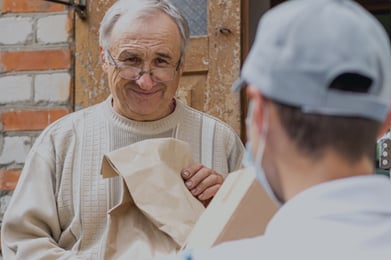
x=172 y=86
x=115 y=81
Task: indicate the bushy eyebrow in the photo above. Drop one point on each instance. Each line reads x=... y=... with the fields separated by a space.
x=128 y=54
x=164 y=55
x=125 y=54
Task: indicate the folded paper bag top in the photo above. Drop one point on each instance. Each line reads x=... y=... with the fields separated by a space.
x=151 y=171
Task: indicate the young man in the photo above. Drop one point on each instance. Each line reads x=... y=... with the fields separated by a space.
x=59 y=208
x=319 y=85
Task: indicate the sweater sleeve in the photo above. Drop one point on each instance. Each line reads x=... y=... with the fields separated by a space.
x=236 y=153
x=31 y=228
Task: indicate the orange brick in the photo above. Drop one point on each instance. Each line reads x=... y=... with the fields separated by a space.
x=30 y=120
x=8 y=179
x=35 y=60
x=31 y=6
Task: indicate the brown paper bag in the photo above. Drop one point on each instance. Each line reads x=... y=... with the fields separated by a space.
x=157 y=211
x=240 y=209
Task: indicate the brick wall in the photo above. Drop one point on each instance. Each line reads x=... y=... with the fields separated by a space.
x=35 y=79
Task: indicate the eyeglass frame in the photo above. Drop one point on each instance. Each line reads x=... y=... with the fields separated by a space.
x=141 y=72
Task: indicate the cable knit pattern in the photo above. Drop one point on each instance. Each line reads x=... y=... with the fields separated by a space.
x=59 y=208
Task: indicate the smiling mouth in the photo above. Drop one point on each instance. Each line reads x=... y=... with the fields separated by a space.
x=145 y=93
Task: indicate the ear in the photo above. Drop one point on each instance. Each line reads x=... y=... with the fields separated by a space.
x=385 y=127
x=182 y=67
x=258 y=100
x=103 y=59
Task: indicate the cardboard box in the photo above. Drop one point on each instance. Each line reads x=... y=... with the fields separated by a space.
x=240 y=209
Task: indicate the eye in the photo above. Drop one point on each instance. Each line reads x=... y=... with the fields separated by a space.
x=161 y=62
x=130 y=60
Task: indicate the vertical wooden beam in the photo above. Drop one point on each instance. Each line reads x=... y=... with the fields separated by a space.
x=224 y=61
x=252 y=10
x=90 y=82
x=245 y=45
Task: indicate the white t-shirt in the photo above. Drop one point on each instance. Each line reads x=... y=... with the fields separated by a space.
x=347 y=219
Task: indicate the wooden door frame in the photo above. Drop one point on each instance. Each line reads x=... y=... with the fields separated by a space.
x=376 y=6
x=246 y=38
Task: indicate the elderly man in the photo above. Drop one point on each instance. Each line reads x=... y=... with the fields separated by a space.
x=59 y=208
x=319 y=83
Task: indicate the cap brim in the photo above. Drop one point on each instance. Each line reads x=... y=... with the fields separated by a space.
x=238 y=84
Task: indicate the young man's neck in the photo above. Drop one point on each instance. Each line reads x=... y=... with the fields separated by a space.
x=299 y=173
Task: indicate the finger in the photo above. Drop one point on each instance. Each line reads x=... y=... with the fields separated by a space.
x=209 y=193
x=206 y=202
x=206 y=183
x=198 y=177
x=189 y=171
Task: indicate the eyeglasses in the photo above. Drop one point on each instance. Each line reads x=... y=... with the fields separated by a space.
x=134 y=73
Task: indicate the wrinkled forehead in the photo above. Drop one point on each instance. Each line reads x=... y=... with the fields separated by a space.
x=153 y=25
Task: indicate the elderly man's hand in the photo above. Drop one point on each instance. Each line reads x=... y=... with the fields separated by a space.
x=202 y=182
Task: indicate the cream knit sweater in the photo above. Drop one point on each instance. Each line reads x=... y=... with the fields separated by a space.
x=59 y=208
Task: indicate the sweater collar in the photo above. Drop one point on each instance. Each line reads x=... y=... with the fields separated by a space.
x=146 y=128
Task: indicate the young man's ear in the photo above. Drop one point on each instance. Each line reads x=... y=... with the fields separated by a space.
x=103 y=61
x=257 y=114
x=385 y=127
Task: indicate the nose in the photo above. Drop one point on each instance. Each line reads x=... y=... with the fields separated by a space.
x=145 y=82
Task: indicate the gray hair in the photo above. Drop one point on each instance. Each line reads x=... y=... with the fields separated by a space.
x=137 y=9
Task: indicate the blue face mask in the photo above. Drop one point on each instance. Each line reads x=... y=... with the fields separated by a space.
x=249 y=161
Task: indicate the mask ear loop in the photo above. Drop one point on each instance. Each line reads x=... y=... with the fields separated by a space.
x=249 y=116
x=264 y=131
x=259 y=157
x=265 y=128
x=256 y=162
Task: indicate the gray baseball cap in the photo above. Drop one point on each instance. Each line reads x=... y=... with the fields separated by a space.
x=302 y=46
